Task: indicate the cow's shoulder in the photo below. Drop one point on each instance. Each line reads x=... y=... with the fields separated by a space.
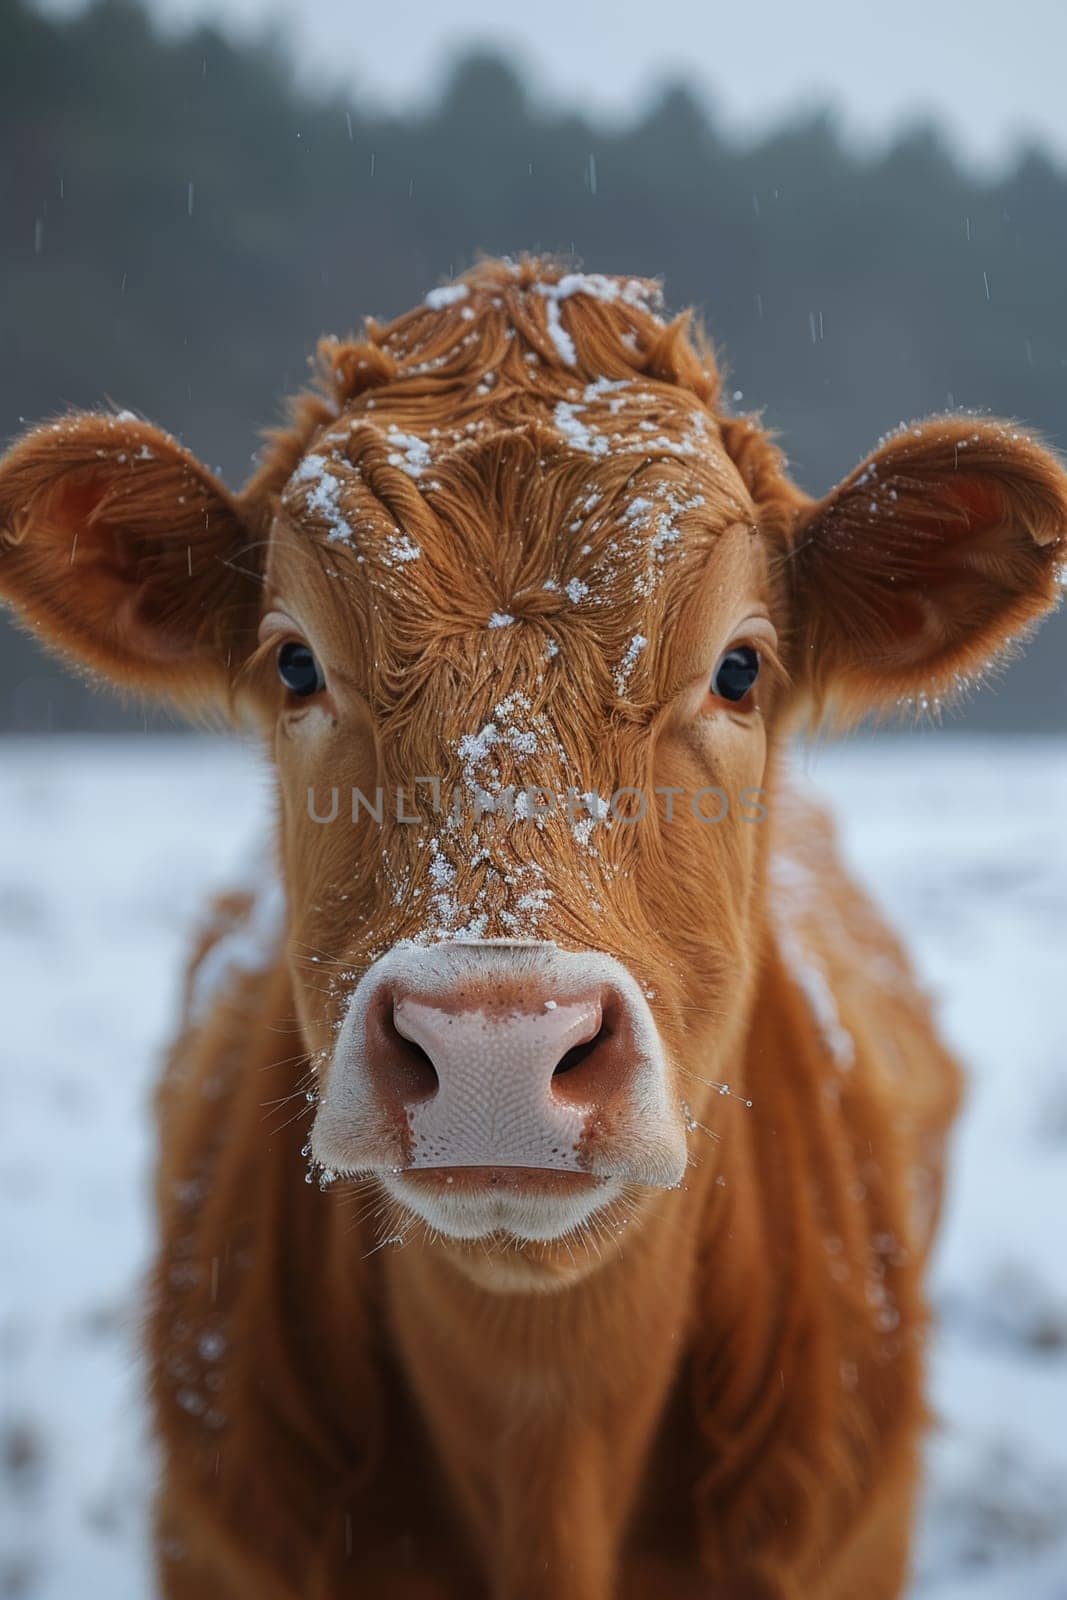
x=828 y=927
x=240 y=936
x=227 y=996
x=868 y=1013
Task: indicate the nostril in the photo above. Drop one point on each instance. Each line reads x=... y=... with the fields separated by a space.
x=418 y=1058
x=420 y=1080
x=595 y=1068
x=580 y=1052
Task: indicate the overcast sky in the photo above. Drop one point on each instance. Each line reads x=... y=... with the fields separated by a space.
x=992 y=71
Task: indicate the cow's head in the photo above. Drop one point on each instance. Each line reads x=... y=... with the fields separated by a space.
x=520 y=613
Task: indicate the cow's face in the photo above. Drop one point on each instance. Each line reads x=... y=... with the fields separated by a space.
x=521 y=596
x=522 y=652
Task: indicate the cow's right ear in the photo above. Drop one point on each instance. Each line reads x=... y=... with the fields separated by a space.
x=122 y=552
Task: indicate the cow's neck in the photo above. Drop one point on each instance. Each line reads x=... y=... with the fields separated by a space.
x=544 y=1406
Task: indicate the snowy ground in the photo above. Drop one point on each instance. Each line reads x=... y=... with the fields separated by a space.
x=106 y=852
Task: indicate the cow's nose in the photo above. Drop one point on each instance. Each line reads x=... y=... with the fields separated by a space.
x=562 y=1040
x=493 y=1079
x=484 y=1055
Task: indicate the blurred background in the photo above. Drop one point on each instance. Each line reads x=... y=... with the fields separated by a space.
x=870 y=210
x=869 y=205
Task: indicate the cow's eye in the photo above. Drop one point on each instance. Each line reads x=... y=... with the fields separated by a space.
x=298 y=669
x=736 y=673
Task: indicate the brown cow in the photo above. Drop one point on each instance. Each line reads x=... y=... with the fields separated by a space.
x=624 y=1111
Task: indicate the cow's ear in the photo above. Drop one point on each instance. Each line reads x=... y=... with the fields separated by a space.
x=941 y=548
x=118 y=549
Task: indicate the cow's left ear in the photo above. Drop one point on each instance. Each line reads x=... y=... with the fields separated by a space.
x=122 y=552
x=939 y=549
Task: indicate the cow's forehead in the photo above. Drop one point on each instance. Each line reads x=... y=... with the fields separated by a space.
x=587 y=509
x=527 y=467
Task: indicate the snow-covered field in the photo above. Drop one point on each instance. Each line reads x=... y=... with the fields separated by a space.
x=106 y=852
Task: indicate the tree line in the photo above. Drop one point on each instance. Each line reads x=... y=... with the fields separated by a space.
x=180 y=220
